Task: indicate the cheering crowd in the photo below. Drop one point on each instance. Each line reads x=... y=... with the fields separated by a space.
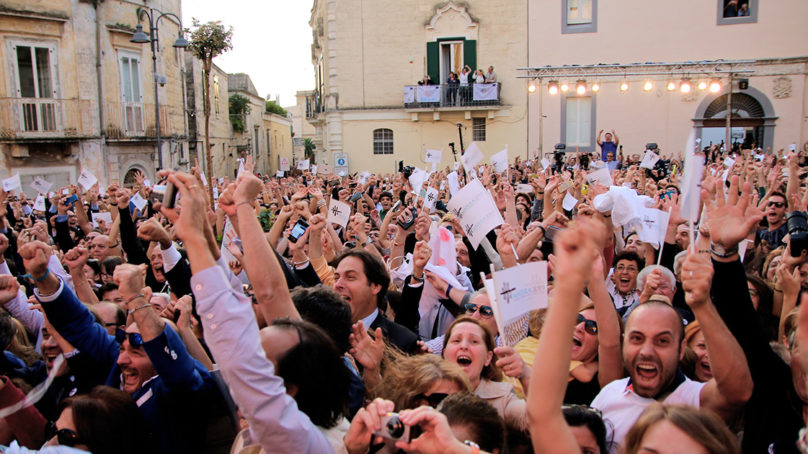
x=256 y=315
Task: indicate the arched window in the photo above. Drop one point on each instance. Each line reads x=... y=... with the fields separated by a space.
x=382 y=141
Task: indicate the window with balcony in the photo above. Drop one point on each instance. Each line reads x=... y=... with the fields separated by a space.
x=579 y=16
x=35 y=86
x=131 y=93
x=478 y=129
x=383 y=141
x=578 y=126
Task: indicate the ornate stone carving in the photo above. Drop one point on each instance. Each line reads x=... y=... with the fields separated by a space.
x=782 y=87
x=689 y=97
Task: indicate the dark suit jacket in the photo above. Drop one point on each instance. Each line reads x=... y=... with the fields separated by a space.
x=396 y=334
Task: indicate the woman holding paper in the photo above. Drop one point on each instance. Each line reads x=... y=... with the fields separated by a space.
x=471 y=346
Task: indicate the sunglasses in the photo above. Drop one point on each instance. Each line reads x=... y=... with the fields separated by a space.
x=433 y=400
x=66 y=437
x=777 y=204
x=135 y=339
x=590 y=326
x=485 y=311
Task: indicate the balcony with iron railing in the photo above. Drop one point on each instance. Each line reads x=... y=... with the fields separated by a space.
x=452 y=96
x=32 y=119
x=129 y=121
x=314 y=106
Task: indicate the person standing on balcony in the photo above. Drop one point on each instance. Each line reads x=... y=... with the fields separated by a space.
x=608 y=145
x=491 y=77
x=451 y=90
x=464 y=84
x=478 y=77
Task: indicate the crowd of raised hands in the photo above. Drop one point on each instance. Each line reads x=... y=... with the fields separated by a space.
x=256 y=315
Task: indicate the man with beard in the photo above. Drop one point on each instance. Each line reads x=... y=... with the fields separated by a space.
x=653 y=346
x=776 y=229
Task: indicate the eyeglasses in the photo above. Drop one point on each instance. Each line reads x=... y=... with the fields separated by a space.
x=66 y=437
x=630 y=269
x=590 y=326
x=433 y=400
x=485 y=311
x=776 y=204
x=753 y=292
x=135 y=339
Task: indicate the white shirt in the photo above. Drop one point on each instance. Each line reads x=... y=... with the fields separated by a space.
x=622 y=406
x=370 y=318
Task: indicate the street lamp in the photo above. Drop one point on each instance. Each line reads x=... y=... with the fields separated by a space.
x=140 y=37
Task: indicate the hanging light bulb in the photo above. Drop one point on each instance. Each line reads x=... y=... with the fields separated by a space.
x=685 y=86
x=624 y=86
x=648 y=85
x=595 y=87
x=552 y=87
x=531 y=87
x=702 y=85
x=580 y=87
x=715 y=86
x=671 y=85
x=564 y=87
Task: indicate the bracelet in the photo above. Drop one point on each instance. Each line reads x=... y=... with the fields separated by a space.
x=139 y=295
x=301 y=263
x=720 y=252
x=28 y=276
x=448 y=289
x=113 y=246
x=704 y=251
x=139 y=308
x=543 y=231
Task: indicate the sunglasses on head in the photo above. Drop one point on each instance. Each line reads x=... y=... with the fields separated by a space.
x=777 y=204
x=433 y=400
x=66 y=437
x=135 y=339
x=590 y=326
x=485 y=311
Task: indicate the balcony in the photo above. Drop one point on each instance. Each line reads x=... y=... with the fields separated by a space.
x=448 y=96
x=35 y=119
x=314 y=106
x=129 y=121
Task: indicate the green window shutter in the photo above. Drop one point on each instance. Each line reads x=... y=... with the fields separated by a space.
x=433 y=62
x=470 y=53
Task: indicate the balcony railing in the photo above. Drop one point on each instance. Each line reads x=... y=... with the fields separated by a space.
x=136 y=120
x=31 y=118
x=314 y=105
x=452 y=95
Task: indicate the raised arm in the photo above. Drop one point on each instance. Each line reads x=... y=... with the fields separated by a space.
x=260 y=262
x=549 y=431
x=75 y=259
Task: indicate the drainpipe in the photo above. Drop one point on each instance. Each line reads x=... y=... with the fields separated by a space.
x=100 y=84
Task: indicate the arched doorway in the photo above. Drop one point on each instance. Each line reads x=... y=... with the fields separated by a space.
x=129 y=179
x=752 y=120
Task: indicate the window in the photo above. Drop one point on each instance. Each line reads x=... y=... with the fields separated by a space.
x=478 y=129
x=737 y=12
x=578 y=127
x=131 y=93
x=216 y=93
x=382 y=141
x=35 y=79
x=579 y=16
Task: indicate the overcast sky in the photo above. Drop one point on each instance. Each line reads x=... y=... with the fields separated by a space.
x=271 y=42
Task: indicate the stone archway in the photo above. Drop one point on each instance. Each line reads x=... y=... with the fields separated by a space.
x=129 y=177
x=752 y=115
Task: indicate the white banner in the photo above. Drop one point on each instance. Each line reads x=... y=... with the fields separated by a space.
x=12 y=183
x=87 y=179
x=476 y=210
x=485 y=92
x=500 y=161
x=518 y=290
x=338 y=212
x=433 y=156
x=427 y=93
x=417 y=178
x=40 y=185
x=472 y=156
x=409 y=94
x=285 y=166
x=654 y=226
x=601 y=176
x=649 y=160
x=39 y=203
x=430 y=199
x=303 y=165
x=454 y=185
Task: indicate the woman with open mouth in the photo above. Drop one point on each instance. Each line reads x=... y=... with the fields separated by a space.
x=471 y=346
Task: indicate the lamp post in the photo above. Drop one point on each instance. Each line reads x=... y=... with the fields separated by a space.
x=153 y=37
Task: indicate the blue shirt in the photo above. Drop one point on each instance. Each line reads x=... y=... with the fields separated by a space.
x=607 y=147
